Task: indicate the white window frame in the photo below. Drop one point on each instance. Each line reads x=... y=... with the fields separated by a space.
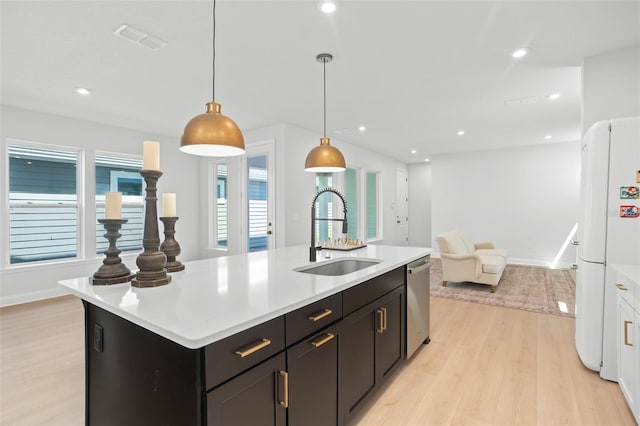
x=127 y=201
x=212 y=203
x=80 y=204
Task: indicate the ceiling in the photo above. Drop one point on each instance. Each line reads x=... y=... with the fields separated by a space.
x=412 y=72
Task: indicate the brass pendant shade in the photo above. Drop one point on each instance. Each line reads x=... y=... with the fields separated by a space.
x=212 y=134
x=325 y=158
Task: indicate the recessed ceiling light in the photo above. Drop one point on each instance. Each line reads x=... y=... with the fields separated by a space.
x=548 y=136
x=519 y=53
x=553 y=96
x=460 y=132
x=413 y=151
x=83 y=91
x=362 y=128
x=426 y=160
x=328 y=7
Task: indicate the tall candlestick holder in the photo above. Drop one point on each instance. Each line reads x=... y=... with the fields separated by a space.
x=170 y=246
x=151 y=262
x=112 y=270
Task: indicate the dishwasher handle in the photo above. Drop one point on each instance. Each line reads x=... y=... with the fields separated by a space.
x=419 y=268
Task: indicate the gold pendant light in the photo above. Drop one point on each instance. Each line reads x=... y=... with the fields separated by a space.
x=324 y=158
x=212 y=134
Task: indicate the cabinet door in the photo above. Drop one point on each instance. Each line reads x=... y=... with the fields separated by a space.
x=390 y=334
x=313 y=380
x=627 y=374
x=357 y=359
x=253 y=398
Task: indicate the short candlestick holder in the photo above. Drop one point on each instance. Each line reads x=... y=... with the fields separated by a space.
x=170 y=246
x=151 y=262
x=112 y=270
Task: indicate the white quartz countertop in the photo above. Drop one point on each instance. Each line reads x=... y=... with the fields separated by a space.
x=215 y=298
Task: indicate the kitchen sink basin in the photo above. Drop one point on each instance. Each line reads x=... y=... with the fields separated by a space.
x=340 y=266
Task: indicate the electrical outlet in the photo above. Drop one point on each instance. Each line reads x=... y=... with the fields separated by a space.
x=98 y=337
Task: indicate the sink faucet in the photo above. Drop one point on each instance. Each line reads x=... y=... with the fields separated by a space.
x=313 y=248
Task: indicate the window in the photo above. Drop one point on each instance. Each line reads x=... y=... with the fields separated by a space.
x=351 y=195
x=43 y=204
x=372 y=205
x=121 y=174
x=324 y=208
x=220 y=200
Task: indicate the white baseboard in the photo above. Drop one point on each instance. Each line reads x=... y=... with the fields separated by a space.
x=527 y=262
x=32 y=297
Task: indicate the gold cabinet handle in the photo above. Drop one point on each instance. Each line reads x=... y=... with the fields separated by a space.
x=325 y=339
x=320 y=315
x=246 y=351
x=285 y=378
x=380 y=318
x=384 y=319
x=626 y=333
x=621 y=287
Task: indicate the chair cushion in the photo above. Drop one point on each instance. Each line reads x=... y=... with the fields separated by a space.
x=455 y=243
x=492 y=264
x=465 y=240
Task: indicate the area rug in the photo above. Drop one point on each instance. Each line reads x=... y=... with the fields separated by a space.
x=532 y=288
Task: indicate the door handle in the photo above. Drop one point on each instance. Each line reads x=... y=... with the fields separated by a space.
x=285 y=389
x=317 y=317
x=246 y=351
x=380 y=320
x=621 y=287
x=327 y=338
x=626 y=333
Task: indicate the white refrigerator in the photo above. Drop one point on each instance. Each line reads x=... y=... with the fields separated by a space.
x=608 y=232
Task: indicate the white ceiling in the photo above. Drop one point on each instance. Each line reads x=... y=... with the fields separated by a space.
x=412 y=72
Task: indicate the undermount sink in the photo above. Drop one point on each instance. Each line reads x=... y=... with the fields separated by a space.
x=337 y=267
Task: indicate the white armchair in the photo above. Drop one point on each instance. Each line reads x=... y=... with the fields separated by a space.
x=464 y=261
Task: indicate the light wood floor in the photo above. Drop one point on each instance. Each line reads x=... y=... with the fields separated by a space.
x=485 y=365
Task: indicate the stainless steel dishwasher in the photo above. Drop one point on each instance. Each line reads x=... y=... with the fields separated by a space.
x=417 y=304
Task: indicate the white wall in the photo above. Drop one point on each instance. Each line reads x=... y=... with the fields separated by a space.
x=295 y=188
x=420 y=205
x=525 y=200
x=181 y=175
x=299 y=186
x=610 y=86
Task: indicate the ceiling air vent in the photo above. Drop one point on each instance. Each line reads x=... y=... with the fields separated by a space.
x=139 y=37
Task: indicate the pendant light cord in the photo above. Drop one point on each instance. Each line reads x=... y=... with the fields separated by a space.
x=213 y=82
x=324 y=96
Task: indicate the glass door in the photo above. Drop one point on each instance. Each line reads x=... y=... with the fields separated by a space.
x=259 y=190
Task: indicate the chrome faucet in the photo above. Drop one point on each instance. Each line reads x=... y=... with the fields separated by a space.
x=313 y=248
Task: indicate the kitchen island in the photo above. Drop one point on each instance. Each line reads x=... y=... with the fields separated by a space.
x=245 y=339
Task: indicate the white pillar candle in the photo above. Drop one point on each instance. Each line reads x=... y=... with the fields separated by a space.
x=150 y=155
x=113 y=205
x=169 y=205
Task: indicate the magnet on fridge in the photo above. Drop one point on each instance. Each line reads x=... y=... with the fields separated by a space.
x=629 y=211
x=637 y=176
x=629 y=192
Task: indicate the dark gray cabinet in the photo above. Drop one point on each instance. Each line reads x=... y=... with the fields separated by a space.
x=256 y=397
x=372 y=346
x=312 y=366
